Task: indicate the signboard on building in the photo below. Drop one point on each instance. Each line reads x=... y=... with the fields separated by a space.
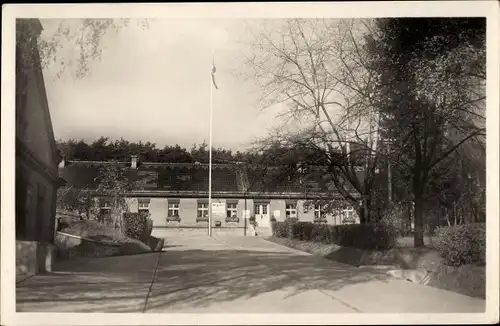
x=219 y=209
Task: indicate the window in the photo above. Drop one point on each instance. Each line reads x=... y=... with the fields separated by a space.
x=203 y=210
x=291 y=211
x=104 y=210
x=231 y=210
x=105 y=204
x=143 y=205
x=348 y=215
x=261 y=209
x=318 y=213
x=173 y=209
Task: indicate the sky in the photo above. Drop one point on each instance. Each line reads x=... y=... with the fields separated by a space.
x=154 y=85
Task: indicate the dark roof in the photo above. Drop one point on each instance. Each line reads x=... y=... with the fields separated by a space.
x=165 y=178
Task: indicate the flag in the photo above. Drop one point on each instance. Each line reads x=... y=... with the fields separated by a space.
x=213 y=75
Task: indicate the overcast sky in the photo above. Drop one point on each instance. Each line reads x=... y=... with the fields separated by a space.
x=153 y=85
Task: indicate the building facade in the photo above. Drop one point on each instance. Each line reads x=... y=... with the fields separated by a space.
x=37 y=156
x=176 y=194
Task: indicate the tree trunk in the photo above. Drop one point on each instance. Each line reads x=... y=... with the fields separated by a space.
x=362 y=214
x=366 y=210
x=418 y=220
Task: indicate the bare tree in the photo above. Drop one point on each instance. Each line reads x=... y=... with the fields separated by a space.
x=317 y=71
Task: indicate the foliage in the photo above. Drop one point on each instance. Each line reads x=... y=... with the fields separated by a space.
x=92 y=230
x=73 y=199
x=232 y=219
x=396 y=221
x=67 y=43
x=135 y=225
x=177 y=218
x=280 y=229
x=113 y=185
x=462 y=244
x=430 y=92
x=104 y=149
x=363 y=236
x=303 y=230
x=147 y=230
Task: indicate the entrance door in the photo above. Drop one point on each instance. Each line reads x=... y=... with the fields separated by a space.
x=262 y=215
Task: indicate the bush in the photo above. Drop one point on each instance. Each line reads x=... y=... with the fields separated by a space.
x=93 y=230
x=364 y=236
x=280 y=229
x=135 y=225
x=396 y=221
x=462 y=244
x=303 y=230
x=147 y=230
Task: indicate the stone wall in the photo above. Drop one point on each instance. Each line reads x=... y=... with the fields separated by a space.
x=32 y=258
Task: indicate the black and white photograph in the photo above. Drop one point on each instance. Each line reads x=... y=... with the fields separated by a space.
x=250 y=163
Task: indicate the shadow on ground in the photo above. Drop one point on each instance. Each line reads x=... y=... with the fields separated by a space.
x=184 y=278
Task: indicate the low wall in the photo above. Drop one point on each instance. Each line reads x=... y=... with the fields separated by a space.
x=32 y=258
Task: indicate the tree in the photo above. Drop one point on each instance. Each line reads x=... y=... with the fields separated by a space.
x=317 y=71
x=74 y=199
x=82 y=36
x=113 y=186
x=430 y=76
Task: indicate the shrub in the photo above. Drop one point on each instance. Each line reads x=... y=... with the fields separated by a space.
x=93 y=230
x=232 y=219
x=303 y=230
x=395 y=221
x=280 y=229
x=135 y=225
x=462 y=244
x=147 y=230
x=364 y=236
x=322 y=233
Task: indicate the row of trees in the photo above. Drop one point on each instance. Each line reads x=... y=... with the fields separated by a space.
x=104 y=149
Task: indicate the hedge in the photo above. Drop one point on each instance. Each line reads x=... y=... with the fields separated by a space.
x=135 y=225
x=363 y=236
x=462 y=244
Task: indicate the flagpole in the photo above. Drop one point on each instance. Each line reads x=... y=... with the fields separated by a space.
x=210 y=156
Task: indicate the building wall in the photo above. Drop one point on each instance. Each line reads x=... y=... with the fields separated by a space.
x=39 y=224
x=36 y=136
x=36 y=170
x=188 y=211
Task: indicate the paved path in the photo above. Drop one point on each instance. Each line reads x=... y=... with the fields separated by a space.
x=229 y=274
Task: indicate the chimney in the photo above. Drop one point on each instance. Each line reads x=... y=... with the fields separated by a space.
x=133 y=163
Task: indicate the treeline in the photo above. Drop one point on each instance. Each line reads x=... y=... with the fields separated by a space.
x=104 y=149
